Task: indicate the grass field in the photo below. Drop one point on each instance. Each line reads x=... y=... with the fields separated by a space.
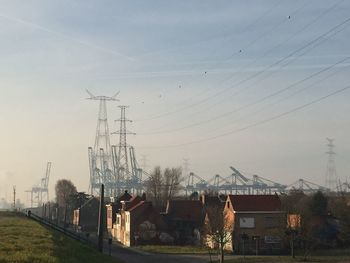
x=320 y=256
x=24 y=240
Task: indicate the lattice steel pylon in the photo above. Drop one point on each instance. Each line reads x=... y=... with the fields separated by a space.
x=123 y=170
x=100 y=159
x=331 y=172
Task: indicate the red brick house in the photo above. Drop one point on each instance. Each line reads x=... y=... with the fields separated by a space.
x=184 y=219
x=137 y=222
x=85 y=218
x=258 y=223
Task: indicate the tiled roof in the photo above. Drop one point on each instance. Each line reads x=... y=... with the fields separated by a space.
x=124 y=197
x=136 y=206
x=187 y=210
x=132 y=202
x=255 y=202
x=90 y=201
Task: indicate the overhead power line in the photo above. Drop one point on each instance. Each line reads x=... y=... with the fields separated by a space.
x=320 y=38
x=220 y=116
x=298 y=108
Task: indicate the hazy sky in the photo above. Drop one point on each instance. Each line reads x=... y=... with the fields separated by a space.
x=204 y=80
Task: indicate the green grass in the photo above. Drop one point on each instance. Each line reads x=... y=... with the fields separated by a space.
x=322 y=256
x=24 y=240
x=172 y=249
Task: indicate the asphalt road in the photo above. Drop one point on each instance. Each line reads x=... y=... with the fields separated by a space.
x=132 y=256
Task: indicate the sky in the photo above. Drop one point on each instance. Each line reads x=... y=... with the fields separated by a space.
x=256 y=85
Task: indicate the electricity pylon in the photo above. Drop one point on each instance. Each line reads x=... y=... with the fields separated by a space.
x=100 y=160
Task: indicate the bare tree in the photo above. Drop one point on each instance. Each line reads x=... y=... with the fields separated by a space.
x=163 y=186
x=217 y=232
x=172 y=180
x=154 y=186
x=65 y=191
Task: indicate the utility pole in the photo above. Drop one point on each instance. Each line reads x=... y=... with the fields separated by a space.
x=331 y=172
x=100 y=220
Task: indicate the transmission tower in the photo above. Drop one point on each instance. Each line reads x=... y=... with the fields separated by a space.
x=100 y=159
x=331 y=172
x=123 y=170
x=14 y=197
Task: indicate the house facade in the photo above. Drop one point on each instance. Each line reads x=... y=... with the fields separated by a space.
x=138 y=222
x=258 y=224
x=185 y=219
x=113 y=208
x=85 y=218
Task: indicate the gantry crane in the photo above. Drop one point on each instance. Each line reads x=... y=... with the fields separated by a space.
x=40 y=192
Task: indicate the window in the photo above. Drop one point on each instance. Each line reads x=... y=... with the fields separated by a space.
x=228 y=204
x=247 y=222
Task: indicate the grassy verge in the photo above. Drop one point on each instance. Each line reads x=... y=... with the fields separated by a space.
x=322 y=256
x=173 y=249
x=24 y=240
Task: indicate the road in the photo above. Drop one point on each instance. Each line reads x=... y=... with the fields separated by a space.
x=133 y=256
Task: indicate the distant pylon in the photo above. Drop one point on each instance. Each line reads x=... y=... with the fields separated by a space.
x=123 y=172
x=331 y=172
x=100 y=156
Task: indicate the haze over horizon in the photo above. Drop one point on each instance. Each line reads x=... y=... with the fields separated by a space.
x=256 y=86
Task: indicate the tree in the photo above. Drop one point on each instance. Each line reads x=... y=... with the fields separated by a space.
x=65 y=191
x=339 y=206
x=78 y=199
x=172 y=180
x=319 y=203
x=154 y=186
x=216 y=230
x=163 y=186
x=313 y=211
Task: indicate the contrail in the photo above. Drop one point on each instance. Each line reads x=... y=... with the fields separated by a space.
x=78 y=41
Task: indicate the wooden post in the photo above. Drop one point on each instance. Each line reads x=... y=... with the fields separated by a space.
x=100 y=221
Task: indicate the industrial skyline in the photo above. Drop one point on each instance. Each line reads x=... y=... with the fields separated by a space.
x=259 y=90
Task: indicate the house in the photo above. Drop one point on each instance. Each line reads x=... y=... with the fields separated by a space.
x=213 y=200
x=184 y=219
x=85 y=218
x=112 y=208
x=213 y=220
x=138 y=222
x=257 y=222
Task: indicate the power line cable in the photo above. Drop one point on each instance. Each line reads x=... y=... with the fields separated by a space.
x=271 y=66
x=288 y=96
x=272 y=49
x=249 y=44
x=220 y=116
x=257 y=123
x=246 y=29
